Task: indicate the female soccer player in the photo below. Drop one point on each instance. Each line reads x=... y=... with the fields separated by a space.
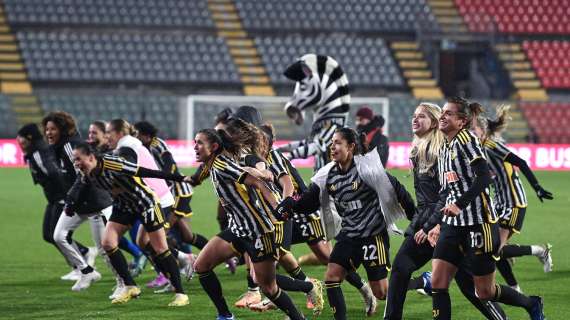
x=368 y=201
x=251 y=226
x=415 y=251
x=132 y=199
x=510 y=197
x=469 y=229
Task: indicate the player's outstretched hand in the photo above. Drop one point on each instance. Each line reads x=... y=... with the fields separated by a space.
x=543 y=194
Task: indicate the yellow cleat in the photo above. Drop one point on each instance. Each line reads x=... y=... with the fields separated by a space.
x=250 y=297
x=129 y=292
x=180 y=300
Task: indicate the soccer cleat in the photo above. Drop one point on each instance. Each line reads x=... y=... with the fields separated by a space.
x=119 y=287
x=166 y=289
x=138 y=265
x=546 y=258
x=90 y=256
x=73 y=275
x=159 y=281
x=128 y=293
x=189 y=267
x=180 y=300
x=370 y=302
x=536 y=312
x=264 y=305
x=221 y=317
x=426 y=290
x=248 y=298
x=85 y=280
x=316 y=296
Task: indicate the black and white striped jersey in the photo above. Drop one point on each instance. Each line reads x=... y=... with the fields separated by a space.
x=356 y=203
x=457 y=176
x=117 y=176
x=249 y=217
x=163 y=158
x=509 y=191
x=279 y=166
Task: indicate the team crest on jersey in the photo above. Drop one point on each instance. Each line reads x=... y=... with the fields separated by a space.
x=355 y=185
x=453 y=154
x=332 y=187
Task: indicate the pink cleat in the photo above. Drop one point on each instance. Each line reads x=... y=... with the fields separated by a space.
x=158 y=282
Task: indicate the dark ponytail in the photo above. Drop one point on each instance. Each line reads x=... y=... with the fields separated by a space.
x=223 y=140
x=351 y=136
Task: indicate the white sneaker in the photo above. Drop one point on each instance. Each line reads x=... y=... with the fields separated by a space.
x=118 y=289
x=546 y=258
x=73 y=275
x=90 y=256
x=85 y=281
x=370 y=303
x=166 y=289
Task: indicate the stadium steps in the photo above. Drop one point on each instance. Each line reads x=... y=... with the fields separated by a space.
x=518 y=126
x=13 y=77
x=448 y=16
x=416 y=70
x=521 y=72
x=242 y=48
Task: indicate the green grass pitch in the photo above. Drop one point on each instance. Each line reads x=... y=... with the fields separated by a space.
x=30 y=268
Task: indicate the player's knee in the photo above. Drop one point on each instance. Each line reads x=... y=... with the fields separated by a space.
x=269 y=289
x=108 y=244
x=485 y=293
x=60 y=237
x=379 y=289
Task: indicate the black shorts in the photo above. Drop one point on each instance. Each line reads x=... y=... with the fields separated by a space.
x=309 y=232
x=478 y=244
x=512 y=219
x=283 y=231
x=260 y=249
x=372 y=252
x=152 y=219
x=182 y=207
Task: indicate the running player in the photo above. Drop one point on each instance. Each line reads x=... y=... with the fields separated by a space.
x=251 y=227
x=469 y=229
x=416 y=251
x=510 y=197
x=132 y=199
x=368 y=201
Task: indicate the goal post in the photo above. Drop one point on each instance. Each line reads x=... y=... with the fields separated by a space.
x=199 y=112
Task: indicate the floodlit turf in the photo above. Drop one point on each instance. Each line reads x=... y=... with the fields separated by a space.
x=30 y=268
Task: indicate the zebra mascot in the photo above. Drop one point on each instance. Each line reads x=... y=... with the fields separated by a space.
x=323 y=86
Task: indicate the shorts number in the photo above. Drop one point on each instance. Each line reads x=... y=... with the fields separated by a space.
x=372 y=254
x=507 y=215
x=305 y=229
x=258 y=244
x=476 y=239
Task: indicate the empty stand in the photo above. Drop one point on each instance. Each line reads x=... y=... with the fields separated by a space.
x=551 y=121
x=134 y=13
x=517 y=16
x=347 y=15
x=551 y=61
x=366 y=61
x=160 y=110
x=148 y=57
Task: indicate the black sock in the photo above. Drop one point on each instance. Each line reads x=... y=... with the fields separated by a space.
x=87 y=270
x=298 y=274
x=354 y=279
x=82 y=249
x=284 y=302
x=119 y=262
x=510 y=296
x=336 y=299
x=506 y=271
x=416 y=283
x=151 y=255
x=199 y=241
x=213 y=288
x=290 y=284
x=169 y=267
x=514 y=250
x=251 y=285
x=441 y=304
x=491 y=310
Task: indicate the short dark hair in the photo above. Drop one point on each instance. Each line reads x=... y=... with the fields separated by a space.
x=146 y=128
x=85 y=148
x=31 y=132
